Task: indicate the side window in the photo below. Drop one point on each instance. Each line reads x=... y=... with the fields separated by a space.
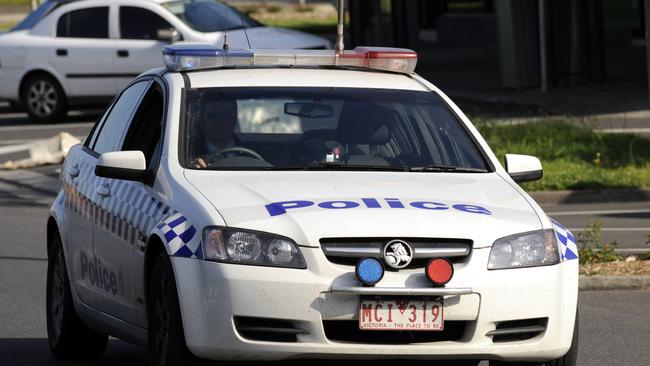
x=146 y=129
x=92 y=136
x=112 y=131
x=139 y=23
x=84 y=23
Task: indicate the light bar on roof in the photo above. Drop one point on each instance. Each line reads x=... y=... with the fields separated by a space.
x=196 y=57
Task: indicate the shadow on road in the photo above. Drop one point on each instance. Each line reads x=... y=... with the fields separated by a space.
x=35 y=351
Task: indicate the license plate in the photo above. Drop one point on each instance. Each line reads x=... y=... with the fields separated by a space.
x=401 y=315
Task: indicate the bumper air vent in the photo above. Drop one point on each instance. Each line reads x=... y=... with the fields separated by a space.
x=518 y=330
x=267 y=330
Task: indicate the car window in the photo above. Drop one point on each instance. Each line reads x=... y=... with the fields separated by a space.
x=209 y=15
x=145 y=131
x=92 y=136
x=112 y=131
x=84 y=23
x=352 y=128
x=34 y=17
x=139 y=23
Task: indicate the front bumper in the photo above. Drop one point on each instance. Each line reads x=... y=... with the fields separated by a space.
x=211 y=294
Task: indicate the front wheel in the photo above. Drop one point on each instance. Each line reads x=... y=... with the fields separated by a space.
x=166 y=338
x=69 y=338
x=43 y=99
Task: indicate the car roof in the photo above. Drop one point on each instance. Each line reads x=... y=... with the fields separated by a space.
x=302 y=77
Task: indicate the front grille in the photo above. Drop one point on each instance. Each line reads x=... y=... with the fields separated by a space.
x=518 y=330
x=268 y=330
x=348 y=331
x=348 y=251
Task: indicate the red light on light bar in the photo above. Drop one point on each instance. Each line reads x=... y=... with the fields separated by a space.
x=439 y=271
x=386 y=52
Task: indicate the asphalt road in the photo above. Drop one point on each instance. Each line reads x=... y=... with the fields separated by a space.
x=615 y=326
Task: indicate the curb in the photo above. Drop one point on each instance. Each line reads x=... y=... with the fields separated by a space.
x=600 y=283
x=590 y=196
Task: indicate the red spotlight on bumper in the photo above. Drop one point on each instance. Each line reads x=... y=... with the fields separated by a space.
x=439 y=271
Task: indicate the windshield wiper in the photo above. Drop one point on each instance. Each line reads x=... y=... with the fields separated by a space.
x=319 y=165
x=446 y=168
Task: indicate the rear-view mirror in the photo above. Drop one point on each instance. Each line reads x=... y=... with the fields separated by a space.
x=124 y=165
x=308 y=110
x=523 y=168
x=170 y=35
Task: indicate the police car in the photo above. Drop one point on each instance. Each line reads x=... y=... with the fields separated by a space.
x=271 y=205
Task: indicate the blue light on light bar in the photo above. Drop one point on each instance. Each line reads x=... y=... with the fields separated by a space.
x=194 y=57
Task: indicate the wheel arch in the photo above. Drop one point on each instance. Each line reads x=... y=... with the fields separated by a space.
x=52 y=232
x=153 y=248
x=39 y=71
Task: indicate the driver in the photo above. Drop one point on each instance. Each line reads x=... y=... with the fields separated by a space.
x=217 y=127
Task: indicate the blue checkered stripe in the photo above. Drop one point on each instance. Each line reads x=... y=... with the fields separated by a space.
x=129 y=213
x=568 y=246
x=181 y=237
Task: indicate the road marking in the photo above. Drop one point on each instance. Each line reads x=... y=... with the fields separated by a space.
x=56 y=126
x=597 y=212
x=616 y=229
x=29 y=185
x=4 y=150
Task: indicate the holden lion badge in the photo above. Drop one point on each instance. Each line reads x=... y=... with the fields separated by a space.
x=398 y=254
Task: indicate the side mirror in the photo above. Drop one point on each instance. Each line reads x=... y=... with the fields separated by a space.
x=170 y=35
x=523 y=168
x=124 y=165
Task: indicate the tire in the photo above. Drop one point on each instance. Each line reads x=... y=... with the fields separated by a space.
x=43 y=99
x=69 y=338
x=569 y=359
x=166 y=338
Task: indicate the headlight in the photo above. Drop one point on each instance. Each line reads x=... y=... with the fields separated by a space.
x=535 y=248
x=250 y=247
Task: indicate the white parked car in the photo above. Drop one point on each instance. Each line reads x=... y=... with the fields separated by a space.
x=70 y=53
x=268 y=205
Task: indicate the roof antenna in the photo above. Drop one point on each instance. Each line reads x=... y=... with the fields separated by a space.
x=245 y=33
x=340 y=46
x=225 y=35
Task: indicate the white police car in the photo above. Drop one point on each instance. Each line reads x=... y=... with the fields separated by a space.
x=267 y=205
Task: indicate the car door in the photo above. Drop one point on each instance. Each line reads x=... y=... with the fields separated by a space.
x=139 y=205
x=140 y=41
x=83 y=52
x=132 y=208
x=114 y=290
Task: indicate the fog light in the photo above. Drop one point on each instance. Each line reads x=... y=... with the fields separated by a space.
x=369 y=271
x=439 y=271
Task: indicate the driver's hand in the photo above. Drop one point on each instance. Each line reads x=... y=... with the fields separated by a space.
x=199 y=163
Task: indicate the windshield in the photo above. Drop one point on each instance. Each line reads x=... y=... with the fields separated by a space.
x=34 y=17
x=209 y=15
x=324 y=128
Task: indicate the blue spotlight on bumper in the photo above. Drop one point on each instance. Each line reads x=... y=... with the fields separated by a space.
x=369 y=271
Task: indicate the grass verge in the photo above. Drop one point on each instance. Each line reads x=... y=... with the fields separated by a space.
x=574 y=156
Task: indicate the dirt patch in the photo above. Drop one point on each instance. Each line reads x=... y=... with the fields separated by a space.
x=618 y=268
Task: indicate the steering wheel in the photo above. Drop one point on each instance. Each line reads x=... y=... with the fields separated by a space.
x=246 y=151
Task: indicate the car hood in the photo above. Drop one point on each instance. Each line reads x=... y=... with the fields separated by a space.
x=270 y=37
x=308 y=206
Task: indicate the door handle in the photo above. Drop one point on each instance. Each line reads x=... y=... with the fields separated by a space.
x=122 y=53
x=103 y=191
x=61 y=52
x=73 y=172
